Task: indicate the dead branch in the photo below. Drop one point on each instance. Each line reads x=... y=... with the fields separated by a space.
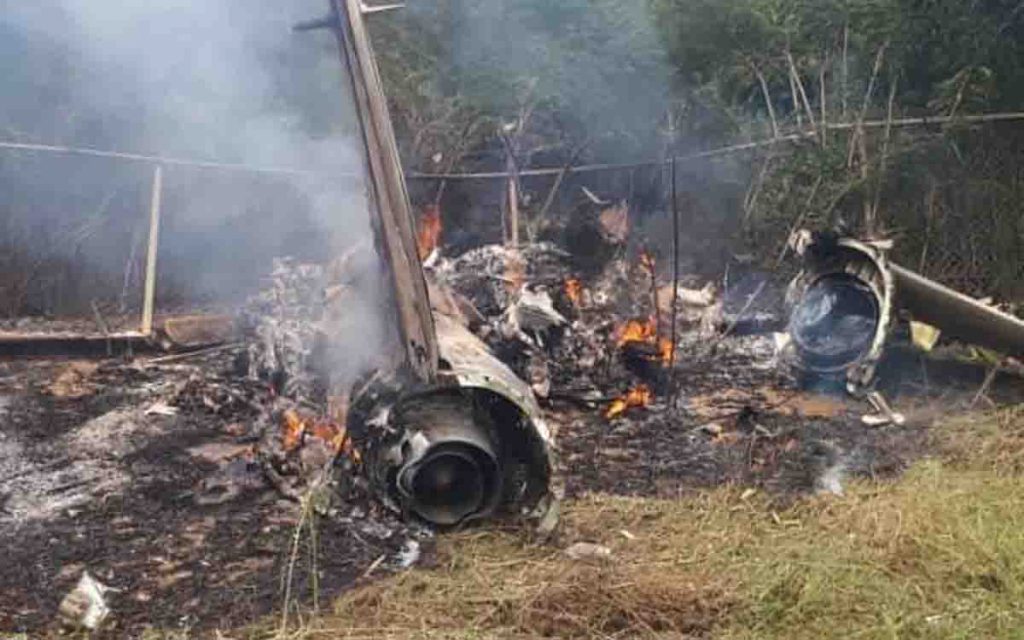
x=990 y=378
x=795 y=97
x=865 y=176
x=767 y=99
x=799 y=84
x=456 y=156
x=756 y=187
x=929 y=220
x=884 y=162
x=846 y=69
x=823 y=99
x=513 y=204
x=557 y=186
x=799 y=221
x=858 y=130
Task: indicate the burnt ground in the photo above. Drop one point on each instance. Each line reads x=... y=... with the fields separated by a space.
x=93 y=483
x=97 y=475
x=145 y=475
x=738 y=420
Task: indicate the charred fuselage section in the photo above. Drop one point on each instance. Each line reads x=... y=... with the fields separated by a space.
x=454 y=436
x=840 y=308
x=843 y=304
x=471 y=447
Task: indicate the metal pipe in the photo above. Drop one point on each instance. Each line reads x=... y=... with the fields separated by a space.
x=957 y=315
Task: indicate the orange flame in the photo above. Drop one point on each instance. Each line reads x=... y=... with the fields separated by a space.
x=637 y=397
x=574 y=291
x=647 y=262
x=428 y=236
x=644 y=332
x=665 y=351
x=636 y=331
x=297 y=428
x=515 y=274
x=294 y=430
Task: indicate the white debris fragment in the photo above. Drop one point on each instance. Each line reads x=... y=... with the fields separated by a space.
x=535 y=311
x=704 y=297
x=433 y=259
x=162 y=409
x=885 y=415
x=374 y=566
x=594 y=197
x=409 y=554
x=781 y=341
x=587 y=550
x=876 y=420
x=538 y=375
x=85 y=606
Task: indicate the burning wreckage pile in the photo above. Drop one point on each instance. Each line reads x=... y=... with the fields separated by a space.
x=654 y=385
x=591 y=332
x=469 y=447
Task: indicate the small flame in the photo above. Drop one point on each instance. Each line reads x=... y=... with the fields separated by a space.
x=665 y=351
x=297 y=428
x=637 y=397
x=647 y=262
x=636 y=331
x=294 y=429
x=574 y=291
x=428 y=235
x=644 y=332
x=515 y=274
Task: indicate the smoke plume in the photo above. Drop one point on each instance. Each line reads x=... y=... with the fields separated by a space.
x=218 y=80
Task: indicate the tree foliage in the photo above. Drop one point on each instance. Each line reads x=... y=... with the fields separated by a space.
x=652 y=75
x=611 y=68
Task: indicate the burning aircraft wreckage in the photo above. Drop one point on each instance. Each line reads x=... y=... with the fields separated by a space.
x=463 y=438
x=458 y=436
x=649 y=384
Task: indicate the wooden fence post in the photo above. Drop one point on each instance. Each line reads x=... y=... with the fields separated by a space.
x=149 y=295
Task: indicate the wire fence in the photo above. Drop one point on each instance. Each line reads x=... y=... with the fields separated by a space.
x=537 y=172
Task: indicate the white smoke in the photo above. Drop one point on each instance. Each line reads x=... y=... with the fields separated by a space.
x=225 y=81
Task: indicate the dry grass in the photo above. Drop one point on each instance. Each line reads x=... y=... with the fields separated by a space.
x=939 y=554
x=990 y=442
x=498 y=585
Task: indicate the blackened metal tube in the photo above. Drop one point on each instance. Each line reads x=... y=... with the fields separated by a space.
x=957 y=315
